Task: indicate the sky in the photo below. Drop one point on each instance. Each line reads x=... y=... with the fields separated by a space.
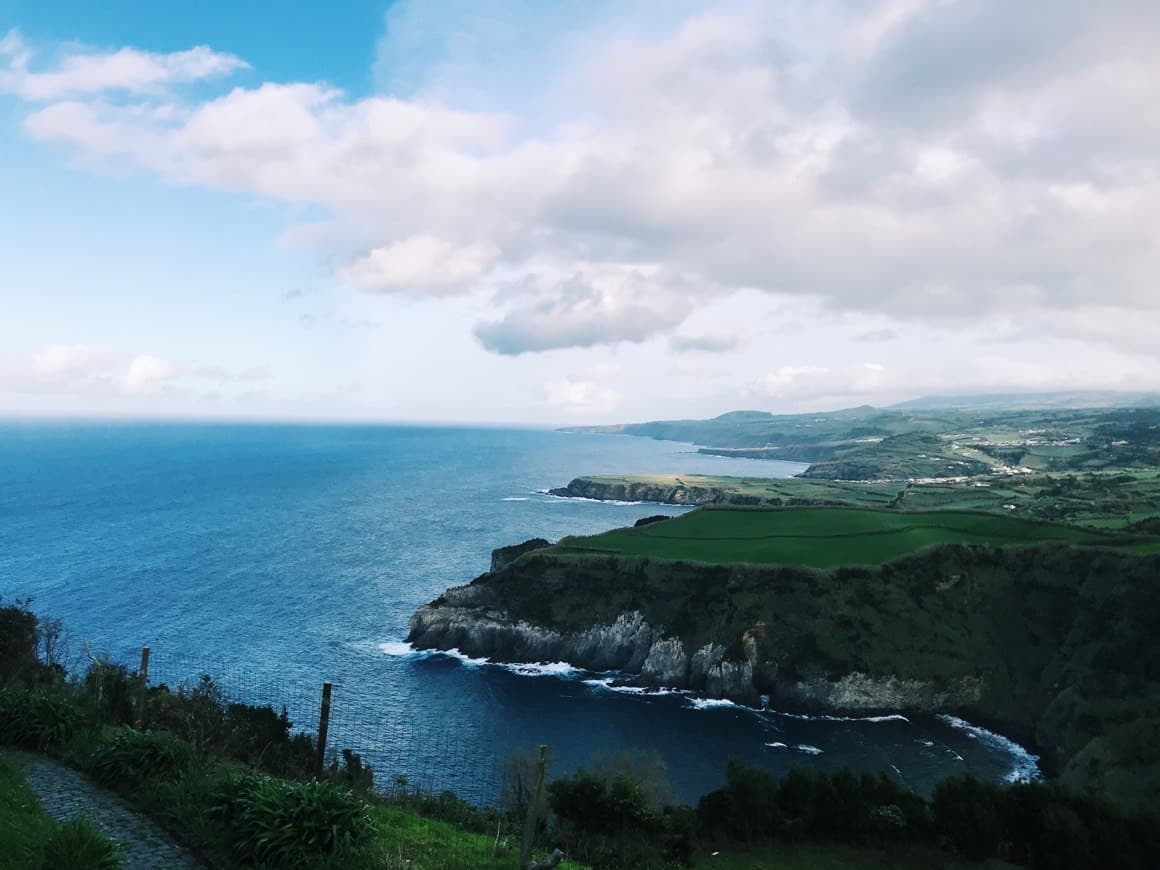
x=584 y=211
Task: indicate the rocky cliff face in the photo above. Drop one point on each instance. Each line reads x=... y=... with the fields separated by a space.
x=586 y=487
x=1038 y=641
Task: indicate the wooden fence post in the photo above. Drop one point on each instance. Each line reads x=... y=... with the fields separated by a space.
x=323 y=726
x=142 y=683
x=533 y=819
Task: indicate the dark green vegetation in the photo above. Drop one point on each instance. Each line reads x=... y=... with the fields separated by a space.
x=232 y=781
x=617 y=815
x=26 y=831
x=1052 y=644
x=80 y=843
x=899 y=444
x=829 y=537
x=1036 y=825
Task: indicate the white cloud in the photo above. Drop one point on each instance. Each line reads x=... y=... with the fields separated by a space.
x=592 y=307
x=148 y=374
x=91 y=72
x=100 y=371
x=922 y=162
x=581 y=397
x=420 y=264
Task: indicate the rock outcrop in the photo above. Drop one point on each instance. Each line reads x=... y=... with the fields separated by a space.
x=661 y=493
x=1051 y=645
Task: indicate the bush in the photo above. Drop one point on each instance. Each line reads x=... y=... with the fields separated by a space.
x=132 y=758
x=745 y=810
x=967 y=812
x=274 y=823
x=111 y=690
x=19 y=640
x=607 y=824
x=38 y=719
x=256 y=736
x=79 y=844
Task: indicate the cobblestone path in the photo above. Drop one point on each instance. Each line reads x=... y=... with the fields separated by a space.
x=65 y=794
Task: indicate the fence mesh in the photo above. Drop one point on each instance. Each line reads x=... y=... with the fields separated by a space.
x=439 y=792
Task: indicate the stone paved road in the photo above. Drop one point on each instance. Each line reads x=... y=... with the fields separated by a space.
x=64 y=794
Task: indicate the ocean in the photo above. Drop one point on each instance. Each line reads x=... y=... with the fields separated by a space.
x=274 y=557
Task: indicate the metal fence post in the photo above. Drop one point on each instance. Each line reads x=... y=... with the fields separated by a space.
x=323 y=725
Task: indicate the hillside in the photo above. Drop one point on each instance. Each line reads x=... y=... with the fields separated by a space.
x=1052 y=643
x=899 y=444
x=1106 y=499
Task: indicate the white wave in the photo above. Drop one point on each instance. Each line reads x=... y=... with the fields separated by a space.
x=403 y=649
x=924 y=741
x=823 y=717
x=777 y=745
x=515 y=498
x=540 y=669
x=398 y=648
x=611 y=501
x=607 y=683
x=711 y=703
x=462 y=657
x=807 y=749
x=1025 y=766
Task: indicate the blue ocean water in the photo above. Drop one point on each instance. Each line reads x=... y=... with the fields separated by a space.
x=278 y=556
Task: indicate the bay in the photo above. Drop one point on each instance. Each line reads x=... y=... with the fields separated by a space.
x=274 y=557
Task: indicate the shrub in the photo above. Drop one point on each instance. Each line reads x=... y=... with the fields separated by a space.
x=79 y=844
x=39 y=719
x=746 y=809
x=110 y=689
x=132 y=758
x=607 y=824
x=967 y=812
x=274 y=823
x=18 y=643
x=256 y=736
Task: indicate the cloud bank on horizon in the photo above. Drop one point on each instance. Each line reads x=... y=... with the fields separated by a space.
x=789 y=205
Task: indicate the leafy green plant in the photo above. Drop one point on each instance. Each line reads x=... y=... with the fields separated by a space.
x=133 y=757
x=110 y=689
x=38 y=719
x=80 y=844
x=19 y=638
x=275 y=823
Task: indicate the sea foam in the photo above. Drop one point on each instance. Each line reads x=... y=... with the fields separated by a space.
x=1025 y=767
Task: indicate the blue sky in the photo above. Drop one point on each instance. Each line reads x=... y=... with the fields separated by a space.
x=474 y=210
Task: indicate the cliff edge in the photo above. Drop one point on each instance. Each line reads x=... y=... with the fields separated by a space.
x=1051 y=644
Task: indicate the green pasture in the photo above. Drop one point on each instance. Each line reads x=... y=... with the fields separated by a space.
x=829 y=537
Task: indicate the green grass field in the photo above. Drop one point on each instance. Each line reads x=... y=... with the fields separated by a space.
x=825 y=537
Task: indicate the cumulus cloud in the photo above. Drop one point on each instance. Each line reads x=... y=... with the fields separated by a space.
x=586 y=309
x=420 y=264
x=103 y=371
x=81 y=72
x=581 y=397
x=148 y=374
x=921 y=160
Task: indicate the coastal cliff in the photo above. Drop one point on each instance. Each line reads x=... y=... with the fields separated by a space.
x=1041 y=642
x=691 y=490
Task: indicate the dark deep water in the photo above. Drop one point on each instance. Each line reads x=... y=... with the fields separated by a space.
x=276 y=556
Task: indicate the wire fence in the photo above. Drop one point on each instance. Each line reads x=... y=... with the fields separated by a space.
x=415 y=763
